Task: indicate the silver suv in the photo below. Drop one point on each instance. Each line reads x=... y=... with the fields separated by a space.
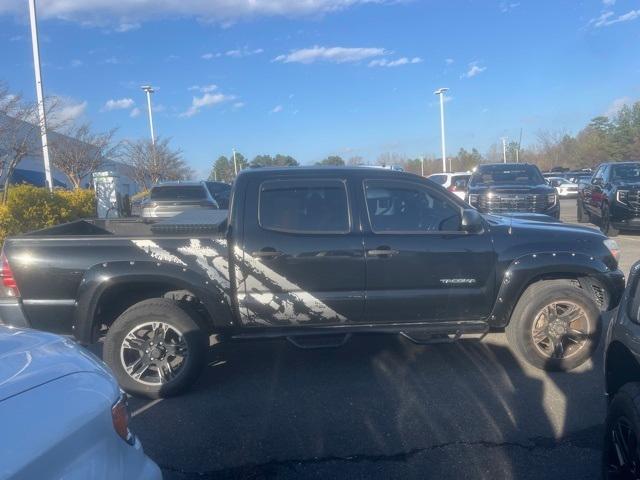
x=171 y=198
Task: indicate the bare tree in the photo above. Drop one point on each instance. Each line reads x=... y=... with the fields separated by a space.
x=153 y=164
x=80 y=152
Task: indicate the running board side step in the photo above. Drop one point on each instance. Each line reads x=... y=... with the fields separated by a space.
x=308 y=342
x=427 y=338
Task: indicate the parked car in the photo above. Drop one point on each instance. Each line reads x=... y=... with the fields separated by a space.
x=62 y=413
x=221 y=192
x=505 y=188
x=171 y=198
x=612 y=198
x=621 y=457
x=454 y=182
x=564 y=187
x=312 y=255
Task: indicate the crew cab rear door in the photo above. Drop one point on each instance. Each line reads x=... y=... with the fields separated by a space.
x=303 y=258
x=420 y=265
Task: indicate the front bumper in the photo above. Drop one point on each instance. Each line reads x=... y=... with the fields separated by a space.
x=12 y=314
x=624 y=217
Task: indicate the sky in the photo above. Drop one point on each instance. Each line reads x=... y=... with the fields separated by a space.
x=312 y=78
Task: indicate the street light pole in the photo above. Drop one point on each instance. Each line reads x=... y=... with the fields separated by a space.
x=235 y=164
x=39 y=93
x=149 y=90
x=504 y=149
x=441 y=92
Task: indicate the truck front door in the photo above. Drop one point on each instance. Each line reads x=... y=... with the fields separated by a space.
x=302 y=258
x=420 y=265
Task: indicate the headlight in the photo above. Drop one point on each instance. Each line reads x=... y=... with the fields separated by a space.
x=473 y=199
x=622 y=195
x=613 y=247
x=551 y=200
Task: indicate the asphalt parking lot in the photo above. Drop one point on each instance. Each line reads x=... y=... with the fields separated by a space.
x=381 y=407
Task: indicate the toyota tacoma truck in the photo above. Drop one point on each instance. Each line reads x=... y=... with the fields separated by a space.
x=313 y=255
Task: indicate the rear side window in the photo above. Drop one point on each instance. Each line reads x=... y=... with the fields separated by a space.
x=178 y=192
x=304 y=206
x=439 y=179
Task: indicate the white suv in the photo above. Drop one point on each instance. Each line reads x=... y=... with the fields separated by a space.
x=454 y=182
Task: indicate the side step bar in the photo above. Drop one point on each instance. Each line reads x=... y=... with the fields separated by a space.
x=319 y=341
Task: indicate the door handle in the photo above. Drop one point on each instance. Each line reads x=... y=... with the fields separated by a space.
x=381 y=252
x=266 y=253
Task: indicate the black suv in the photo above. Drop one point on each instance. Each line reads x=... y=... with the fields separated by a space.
x=622 y=375
x=503 y=188
x=612 y=198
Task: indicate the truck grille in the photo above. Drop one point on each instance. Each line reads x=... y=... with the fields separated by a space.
x=512 y=202
x=633 y=199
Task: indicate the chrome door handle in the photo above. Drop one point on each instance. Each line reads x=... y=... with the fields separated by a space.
x=381 y=252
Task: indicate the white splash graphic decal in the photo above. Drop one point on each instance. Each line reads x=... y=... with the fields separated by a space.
x=218 y=270
x=157 y=252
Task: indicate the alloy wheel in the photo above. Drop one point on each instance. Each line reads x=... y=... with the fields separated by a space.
x=560 y=330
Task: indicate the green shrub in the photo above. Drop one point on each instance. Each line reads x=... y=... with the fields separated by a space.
x=31 y=208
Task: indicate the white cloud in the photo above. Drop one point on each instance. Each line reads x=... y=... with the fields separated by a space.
x=609 y=2
x=609 y=18
x=103 y=12
x=243 y=52
x=277 y=109
x=67 y=110
x=203 y=88
x=449 y=61
x=171 y=58
x=474 y=69
x=206 y=100
x=119 y=104
x=330 y=54
x=209 y=55
x=616 y=105
x=238 y=105
x=507 y=6
x=383 y=62
x=111 y=61
x=135 y=112
x=76 y=63
x=127 y=27
x=16 y=38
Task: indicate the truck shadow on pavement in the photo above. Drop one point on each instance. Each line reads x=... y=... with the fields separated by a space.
x=381 y=407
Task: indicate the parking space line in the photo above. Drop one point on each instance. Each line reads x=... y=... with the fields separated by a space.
x=146 y=407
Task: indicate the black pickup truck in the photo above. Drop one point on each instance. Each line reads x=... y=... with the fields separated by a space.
x=312 y=255
x=611 y=198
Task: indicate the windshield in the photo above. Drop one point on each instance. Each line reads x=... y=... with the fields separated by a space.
x=626 y=172
x=182 y=192
x=507 y=174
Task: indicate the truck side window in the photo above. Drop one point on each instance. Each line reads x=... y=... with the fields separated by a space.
x=312 y=206
x=409 y=208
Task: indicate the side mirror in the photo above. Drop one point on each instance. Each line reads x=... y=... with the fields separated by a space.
x=471 y=221
x=633 y=304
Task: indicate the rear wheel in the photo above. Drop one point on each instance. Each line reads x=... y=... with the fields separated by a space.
x=605 y=223
x=555 y=325
x=155 y=349
x=621 y=453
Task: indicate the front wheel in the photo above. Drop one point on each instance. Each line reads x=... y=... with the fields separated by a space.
x=155 y=349
x=555 y=325
x=621 y=453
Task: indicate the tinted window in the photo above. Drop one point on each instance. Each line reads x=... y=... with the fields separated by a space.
x=626 y=172
x=507 y=174
x=460 y=182
x=319 y=207
x=217 y=187
x=409 y=208
x=439 y=179
x=178 y=192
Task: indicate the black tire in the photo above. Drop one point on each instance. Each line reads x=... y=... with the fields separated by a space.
x=582 y=218
x=529 y=309
x=623 y=422
x=605 y=223
x=192 y=344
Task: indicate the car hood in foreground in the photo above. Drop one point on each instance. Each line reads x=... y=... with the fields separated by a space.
x=29 y=358
x=540 y=222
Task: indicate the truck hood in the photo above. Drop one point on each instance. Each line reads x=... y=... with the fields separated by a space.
x=623 y=184
x=29 y=359
x=540 y=222
x=513 y=188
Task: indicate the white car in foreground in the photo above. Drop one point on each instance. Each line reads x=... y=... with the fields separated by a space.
x=63 y=414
